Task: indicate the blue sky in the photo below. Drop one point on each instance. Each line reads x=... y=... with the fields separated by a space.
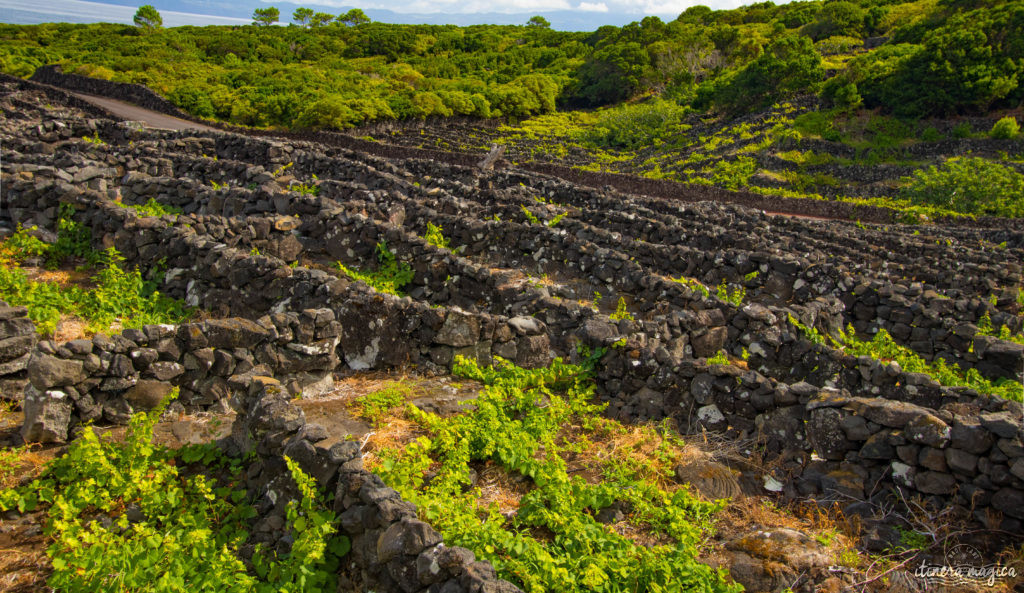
x=563 y=14
x=77 y=11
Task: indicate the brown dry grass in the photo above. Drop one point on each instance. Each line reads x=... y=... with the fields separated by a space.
x=64 y=277
x=395 y=432
x=27 y=464
x=640 y=447
x=24 y=565
x=499 y=487
x=358 y=384
x=71 y=328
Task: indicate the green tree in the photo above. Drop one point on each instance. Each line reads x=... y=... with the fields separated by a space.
x=320 y=19
x=789 y=65
x=353 y=18
x=838 y=18
x=973 y=62
x=146 y=17
x=264 y=17
x=613 y=73
x=302 y=16
x=538 y=21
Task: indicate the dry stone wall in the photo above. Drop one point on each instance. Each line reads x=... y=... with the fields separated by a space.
x=391 y=549
x=230 y=362
x=17 y=339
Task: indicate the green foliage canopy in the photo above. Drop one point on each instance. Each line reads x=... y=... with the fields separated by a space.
x=950 y=57
x=147 y=17
x=266 y=16
x=970 y=185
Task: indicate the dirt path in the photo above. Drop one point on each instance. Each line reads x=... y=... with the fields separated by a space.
x=136 y=113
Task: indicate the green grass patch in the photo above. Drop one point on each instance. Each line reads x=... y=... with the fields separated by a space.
x=374 y=406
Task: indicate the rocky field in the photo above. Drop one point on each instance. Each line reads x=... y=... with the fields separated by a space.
x=869 y=375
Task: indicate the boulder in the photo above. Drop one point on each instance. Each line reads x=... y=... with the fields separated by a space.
x=234 y=333
x=460 y=329
x=45 y=371
x=710 y=342
x=147 y=394
x=774 y=559
x=47 y=415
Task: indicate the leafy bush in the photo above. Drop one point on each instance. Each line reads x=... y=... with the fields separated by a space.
x=435 y=236
x=186 y=530
x=620 y=311
x=635 y=126
x=530 y=216
x=883 y=347
x=21 y=245
x=733 y=296
x=390 y=275
x=1006 y=128
x=734 y=174
x=509 y=430
x=154 y=208
x=930 y=134
x=719 y=358
x=962 y=130
x=693 y=284
x=817 y=123
x=119 y=296
x=73 y=239
x=969 y=185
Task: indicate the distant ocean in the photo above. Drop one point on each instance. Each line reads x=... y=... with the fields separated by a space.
x=75 y=11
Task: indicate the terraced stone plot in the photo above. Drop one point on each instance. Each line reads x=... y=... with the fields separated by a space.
x=861 y=365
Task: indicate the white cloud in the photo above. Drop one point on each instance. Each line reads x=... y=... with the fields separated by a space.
x=593 y=6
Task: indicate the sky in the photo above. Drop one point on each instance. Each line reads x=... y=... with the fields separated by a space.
x=77 y=11
x=577 y=15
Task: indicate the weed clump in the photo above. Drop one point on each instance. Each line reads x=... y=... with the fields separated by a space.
x=390 y=275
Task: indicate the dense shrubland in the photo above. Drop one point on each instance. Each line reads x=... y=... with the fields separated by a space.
x=941 y=58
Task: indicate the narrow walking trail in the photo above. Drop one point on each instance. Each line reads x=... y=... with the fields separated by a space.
x=132 y=112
